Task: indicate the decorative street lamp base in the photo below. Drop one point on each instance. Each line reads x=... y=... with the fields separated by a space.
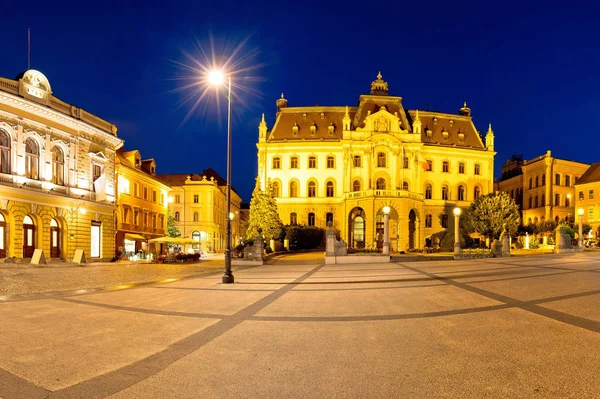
x=227 y=279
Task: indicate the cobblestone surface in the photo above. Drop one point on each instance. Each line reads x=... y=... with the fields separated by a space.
x=18 y=279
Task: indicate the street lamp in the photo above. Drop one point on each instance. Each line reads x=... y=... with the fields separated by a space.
x=386 y=230
x=217 y=78
x=456 y=233
x=580 y=238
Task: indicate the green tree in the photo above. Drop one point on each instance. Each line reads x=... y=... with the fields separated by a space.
x=491 y=214
x=172 y=230
x=585 y=229
x=263 y=213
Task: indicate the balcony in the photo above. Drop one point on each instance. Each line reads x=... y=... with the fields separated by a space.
x=45 y=186
x=385 y=193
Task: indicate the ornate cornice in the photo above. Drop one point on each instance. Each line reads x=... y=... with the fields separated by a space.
x=57 y=117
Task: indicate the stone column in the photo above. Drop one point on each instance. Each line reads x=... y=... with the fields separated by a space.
x=549 y=183
x=386 y=234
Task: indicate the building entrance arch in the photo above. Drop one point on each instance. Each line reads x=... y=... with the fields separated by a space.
x=356 y=228
x=28 y=237
x=2 y=236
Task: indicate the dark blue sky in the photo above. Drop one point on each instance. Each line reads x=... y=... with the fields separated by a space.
x=531 y=71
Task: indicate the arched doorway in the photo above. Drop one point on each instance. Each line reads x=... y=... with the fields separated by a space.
x=28 y=237
x=2 y=236
x=54 y=239
x=412 y=218
x=356 y=228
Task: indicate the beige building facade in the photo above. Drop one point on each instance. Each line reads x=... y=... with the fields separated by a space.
x=587 y=190
x=544 y=187
x=57 y=175
x=198 y=202
x=344 y=164
x=142 y=200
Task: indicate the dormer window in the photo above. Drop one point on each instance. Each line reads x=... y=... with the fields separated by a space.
x=313 y=129
x=331 y=129
x=461 y=137
x=435 y=121
x=322 y=115
x=444 y=135
x=304 y=116
x=295 y=129
x=428 y=133
x=138 y=163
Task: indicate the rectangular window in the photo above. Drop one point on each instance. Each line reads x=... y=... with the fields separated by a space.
x=95 y=237
x=591 y=194
x=405 y=162
x=145 y=192
x=445 y=167
x=125 y=215
x=461 y=167
x=590 y=214
x=556 y=200
x=428 y=220
x=294 y=163
x=276 y=163
x=97 y=171
x=330 y=162
x=477 y=169
x=162 y=199
x=429 y=165
x=153 y=196
x=136 y=189
x=581 y=195
x=312 y=162
x=557 y=179
x=293 y=219
x=568 y=181
x=145 y=219
x=444 y=221
x=177 y=199
x=196 y=198
x=154 y=221
x=311 y=219
x=329 y=218
x=136 y=218
x=357 y=161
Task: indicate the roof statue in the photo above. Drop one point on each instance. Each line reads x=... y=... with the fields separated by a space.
x=379 y=87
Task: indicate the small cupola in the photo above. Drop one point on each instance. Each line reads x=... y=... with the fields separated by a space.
x=379 y=87
x=281 y=103
x=466 y=111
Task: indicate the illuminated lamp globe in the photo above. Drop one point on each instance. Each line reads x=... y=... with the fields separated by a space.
x=457 y=211
x=580 y=211
x=231 y=216
x=216 y=77
x=386 y=210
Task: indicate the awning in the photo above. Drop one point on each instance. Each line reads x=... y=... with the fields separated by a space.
x=134 y=237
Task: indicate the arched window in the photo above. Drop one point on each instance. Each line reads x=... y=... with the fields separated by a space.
x=293 y=189
x=329 y=218
x=358 y=229
x=176 y=216
x=428 y=191
x=381 y=160
x=312 y=189
x=275 y=189
x=536 y=181
x=4 y=152
x=58 y=166
x=530 y=202
x=329 y=189
x=195 y=216
x=543 y=179
x=476 y=192
x=461 y=193
x=356 y=185
x=311 y=219
x=535 y=220
x=536 y=202
x=380 y=184
x=405 y=186
x=32 y=158
x=445 y=192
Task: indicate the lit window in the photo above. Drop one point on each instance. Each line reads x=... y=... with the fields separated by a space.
x=581 y=195
x=591 y=194
x=275 y=189
x=276 y=163
x=461 y=167
x=58 y=165
x=445 y=167
x=32 y=158
x=293 y=189
x=95 y=238
x=5 y=159
x=312 y=162
x=294 y=163
x=330 y=162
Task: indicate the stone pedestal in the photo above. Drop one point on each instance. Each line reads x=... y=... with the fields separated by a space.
x=333 y=247
x=563 y=241
x=505 y=246
x=497 y=249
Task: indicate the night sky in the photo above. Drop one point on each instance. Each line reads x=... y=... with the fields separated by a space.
x=531 y=71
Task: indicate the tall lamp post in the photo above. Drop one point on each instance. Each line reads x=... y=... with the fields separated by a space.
x=217 y=77
x=386 y=230
x=456 y=233
x=580 y=238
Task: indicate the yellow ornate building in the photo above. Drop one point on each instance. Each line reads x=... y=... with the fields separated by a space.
x=142 y=203
x=587 y=190
x=543 y=187
x=57 y=176
x=344 y=164
x=199 y=205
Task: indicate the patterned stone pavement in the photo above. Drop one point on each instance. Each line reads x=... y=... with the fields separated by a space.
x=517 y=327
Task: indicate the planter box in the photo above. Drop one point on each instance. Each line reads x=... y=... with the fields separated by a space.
x=339 y=260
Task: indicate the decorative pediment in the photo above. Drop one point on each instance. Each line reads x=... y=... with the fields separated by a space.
x=383 y=122
x=98 y=156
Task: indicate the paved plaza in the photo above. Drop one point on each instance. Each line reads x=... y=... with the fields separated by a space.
x=519 y=327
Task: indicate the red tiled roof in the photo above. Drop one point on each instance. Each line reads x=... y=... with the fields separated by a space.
x=591 y=175
x=438 y=122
